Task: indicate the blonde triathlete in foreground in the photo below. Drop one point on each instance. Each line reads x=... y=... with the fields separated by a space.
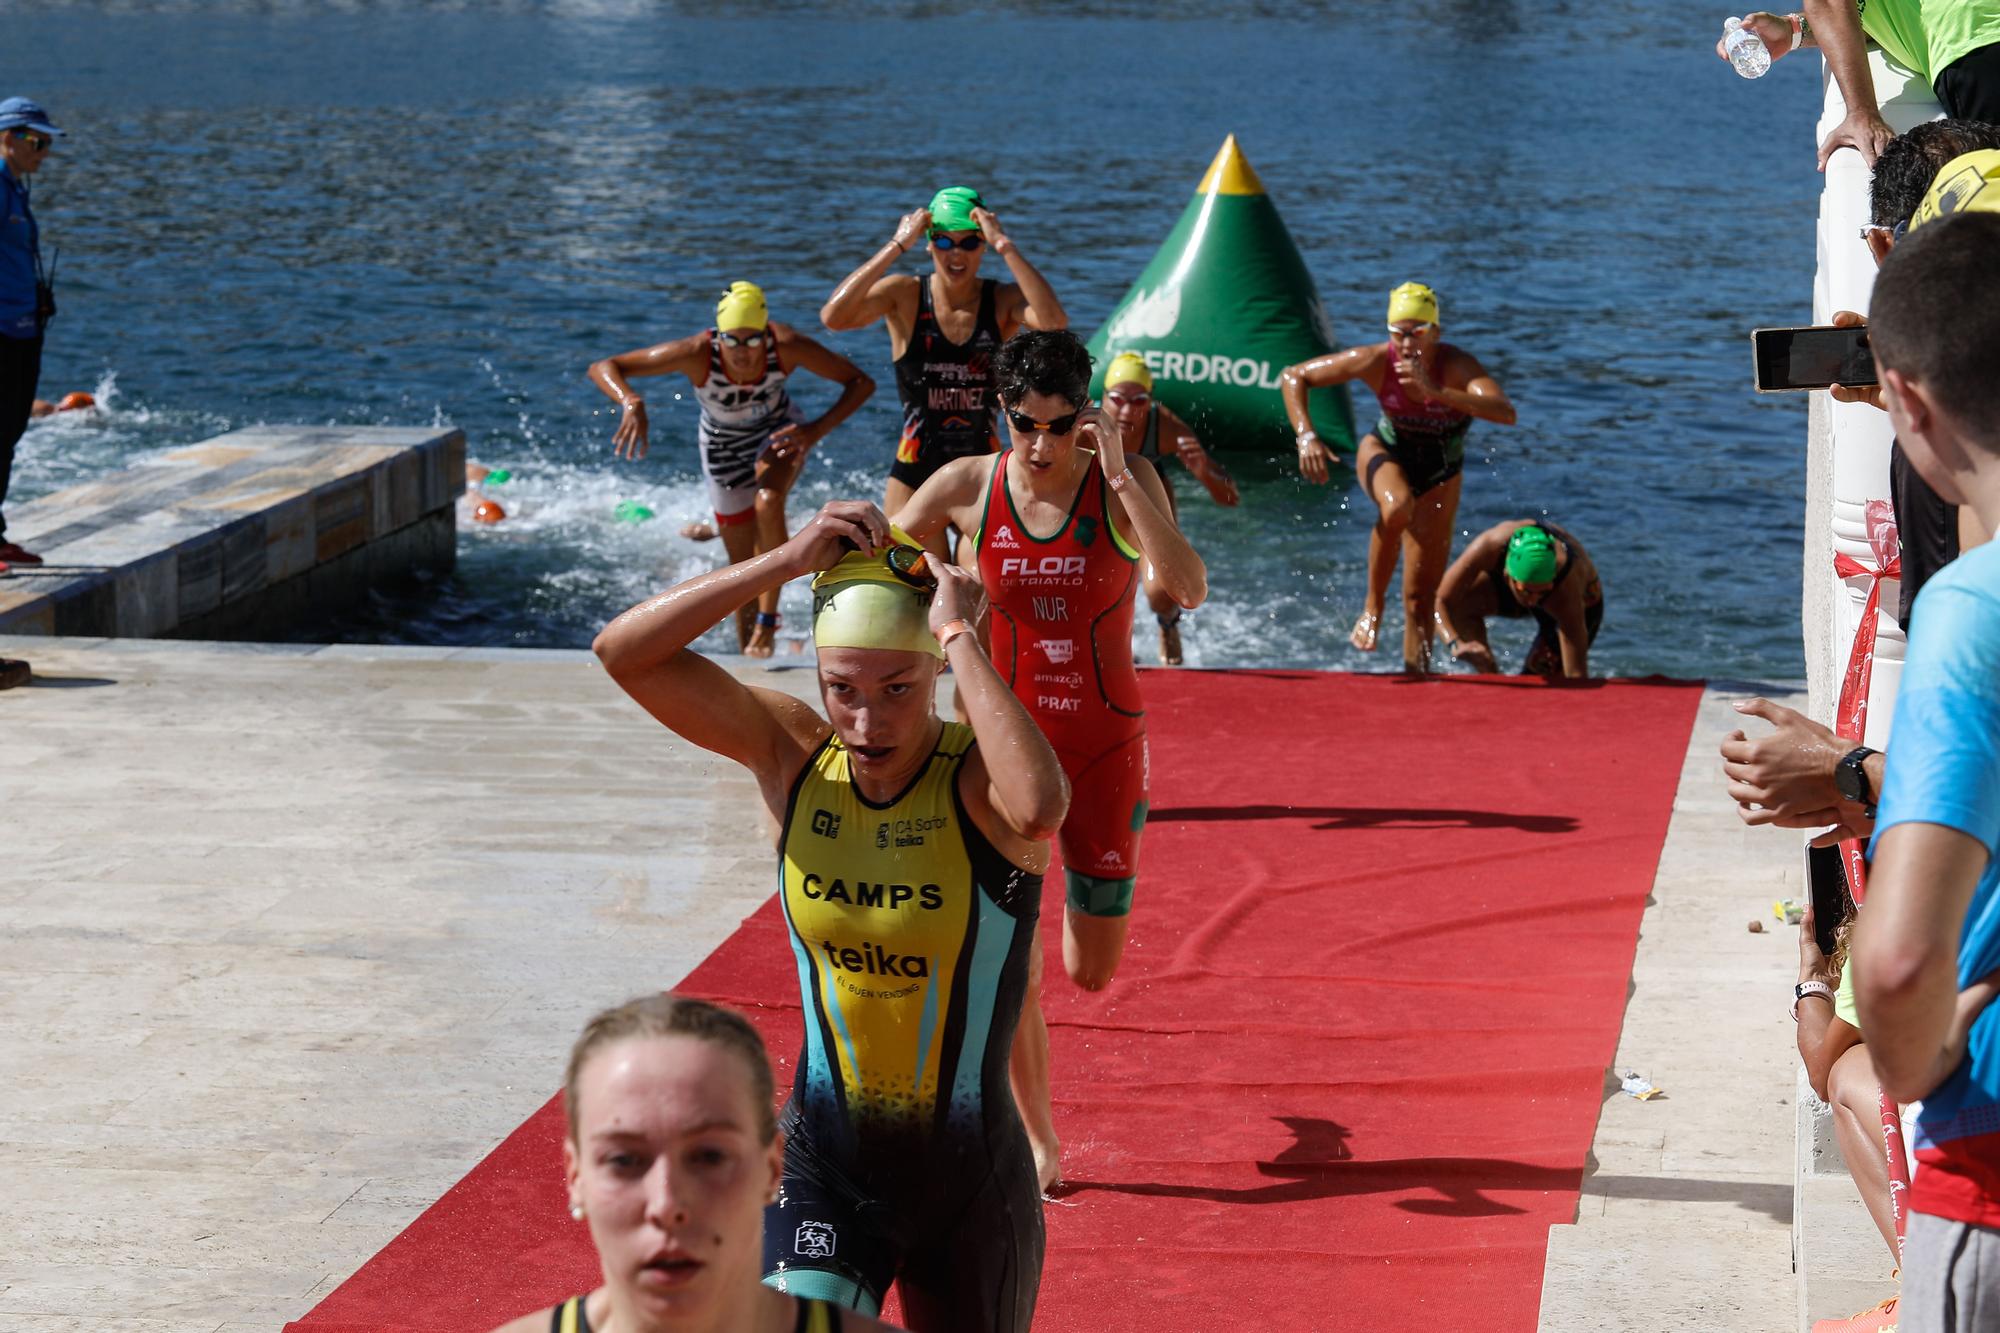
x=672 y=1155
x=912 y=855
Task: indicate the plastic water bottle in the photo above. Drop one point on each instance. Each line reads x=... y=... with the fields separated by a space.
x=1746 y=49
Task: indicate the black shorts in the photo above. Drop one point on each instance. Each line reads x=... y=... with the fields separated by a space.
x=1545 y=658
x=1427 y=461
x=915 y=472
x=966 y=1252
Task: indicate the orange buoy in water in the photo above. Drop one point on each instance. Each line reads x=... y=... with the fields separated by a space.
x=489 y=511
x=75 y=402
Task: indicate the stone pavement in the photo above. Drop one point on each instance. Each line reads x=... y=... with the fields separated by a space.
x=297 y=934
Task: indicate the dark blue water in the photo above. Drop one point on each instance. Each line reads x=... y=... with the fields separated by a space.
x=409 y=213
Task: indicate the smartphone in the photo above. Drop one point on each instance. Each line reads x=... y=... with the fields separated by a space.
x=1826 y=872
x=1814 y=358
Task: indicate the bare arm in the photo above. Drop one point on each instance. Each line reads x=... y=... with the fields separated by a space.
x=645 y=651
x=1905 y=952
x=1148 y=516
x=1031 y=301
x=1785 y=777
x=796 y=350
x=1572 y=632
x=945 y=499
x=1297 y=382
x=613 y=375
x=871 y=292
x=1467 y=388
x=1025 y=783
x=1206 y=469
x=1836 y=27
x=1465 y=633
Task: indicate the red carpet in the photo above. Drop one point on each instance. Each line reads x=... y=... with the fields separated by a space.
x=1350 y=1071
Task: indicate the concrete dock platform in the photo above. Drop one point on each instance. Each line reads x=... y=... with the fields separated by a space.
x=243 y=535
x=248 y=1031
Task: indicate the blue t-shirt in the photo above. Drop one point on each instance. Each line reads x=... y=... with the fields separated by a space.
x=18 y=238
x=1944 y=768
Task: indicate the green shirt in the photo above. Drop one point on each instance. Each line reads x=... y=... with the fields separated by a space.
x=1928 y=35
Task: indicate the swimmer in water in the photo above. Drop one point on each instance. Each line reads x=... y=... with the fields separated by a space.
x=671 y=1159
x=1524 y=567
x=911 y=856
x=1150 y=430
x=753 y=438
x=1060 y=525
x=944 y=328
x=1412 y=463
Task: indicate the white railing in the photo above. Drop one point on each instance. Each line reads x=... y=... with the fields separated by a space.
x=1848 y=459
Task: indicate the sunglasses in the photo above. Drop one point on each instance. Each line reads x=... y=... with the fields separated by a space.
x=39 y=142
x=944 y=242
x=1896 y=232
x=741 y=339
x=1027 y=425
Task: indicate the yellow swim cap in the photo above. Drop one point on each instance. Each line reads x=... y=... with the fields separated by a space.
x=1413 y=300
x=862 y=603
x=742 y=307
x=1969 y=183
x=1128 y=368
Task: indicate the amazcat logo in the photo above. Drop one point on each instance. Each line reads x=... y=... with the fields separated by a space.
x=814 y=1240
x=866 y=893
x=826 y=823
x=873 y=960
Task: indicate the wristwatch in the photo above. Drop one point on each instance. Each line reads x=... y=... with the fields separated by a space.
x=1850 y=779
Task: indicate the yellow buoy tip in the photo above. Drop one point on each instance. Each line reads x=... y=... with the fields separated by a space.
x=1230 y=172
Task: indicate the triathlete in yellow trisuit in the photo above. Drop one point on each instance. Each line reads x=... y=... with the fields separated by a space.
x=912 y=857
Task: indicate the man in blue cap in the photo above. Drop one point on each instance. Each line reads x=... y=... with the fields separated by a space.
x=25 y=299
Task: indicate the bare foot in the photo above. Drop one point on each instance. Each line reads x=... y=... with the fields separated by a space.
x=1048 y=1163
x=1170 y=642
x=1363 y=634
x=763 y=641
x=699 y=532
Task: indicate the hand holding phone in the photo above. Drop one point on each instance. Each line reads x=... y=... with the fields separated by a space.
x=1819 y=357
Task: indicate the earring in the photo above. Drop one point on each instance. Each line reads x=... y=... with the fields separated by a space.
x=576 y=1212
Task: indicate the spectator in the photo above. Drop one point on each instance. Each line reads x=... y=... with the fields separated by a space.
x=1932 y=533
x=1927 y=949
x=26 y=136
x=1953 y=45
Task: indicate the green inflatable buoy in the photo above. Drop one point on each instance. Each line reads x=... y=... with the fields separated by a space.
x=631 y=511
x=499 y=476
x=1224 y=306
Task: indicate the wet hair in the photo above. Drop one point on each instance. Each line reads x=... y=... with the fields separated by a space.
x=669 y=1015
x=1912 y=160
x=1050 y=361
x=1935 y=317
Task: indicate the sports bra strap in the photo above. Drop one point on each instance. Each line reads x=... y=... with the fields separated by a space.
x=817 y=1317
x=570 y=1317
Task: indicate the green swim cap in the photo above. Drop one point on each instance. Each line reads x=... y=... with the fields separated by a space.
x=1531 y=555
x=951 y=208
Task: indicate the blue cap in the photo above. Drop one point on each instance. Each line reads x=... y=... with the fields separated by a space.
x=18 y=113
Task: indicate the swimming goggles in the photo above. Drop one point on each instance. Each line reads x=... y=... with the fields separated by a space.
x=943 y=242
x=912 y=565
x=1128 y=399
x=742 y=339
x=1027 y=425
x=1417 y=332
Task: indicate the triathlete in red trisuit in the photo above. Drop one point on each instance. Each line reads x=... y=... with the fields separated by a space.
x=1062 y=522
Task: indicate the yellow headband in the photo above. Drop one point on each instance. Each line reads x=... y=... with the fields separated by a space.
x=742 y=307
x=1128 y=368
x=861 y=603
x=1415 y=301
x=1969 y=183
